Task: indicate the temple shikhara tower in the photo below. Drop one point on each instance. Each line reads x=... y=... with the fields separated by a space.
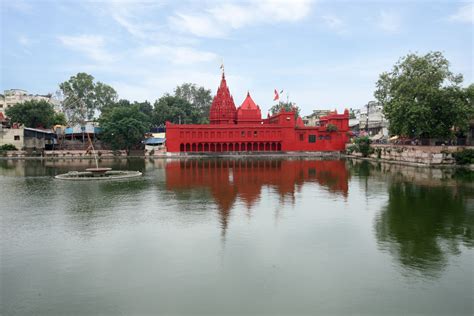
x=242 y=129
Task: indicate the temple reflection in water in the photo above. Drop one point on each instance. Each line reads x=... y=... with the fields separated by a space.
x=242 y=179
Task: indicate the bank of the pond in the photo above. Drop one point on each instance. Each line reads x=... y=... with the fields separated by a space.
x=121 y=154
x=426 y=156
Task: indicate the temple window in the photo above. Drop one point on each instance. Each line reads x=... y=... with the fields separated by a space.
x=311 y=138
x=301 y=137
x=242 y=134
x=255 y=134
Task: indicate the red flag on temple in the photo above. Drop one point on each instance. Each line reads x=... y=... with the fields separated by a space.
x=276 y=97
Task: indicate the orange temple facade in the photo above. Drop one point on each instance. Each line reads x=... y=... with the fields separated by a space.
x=242 y=129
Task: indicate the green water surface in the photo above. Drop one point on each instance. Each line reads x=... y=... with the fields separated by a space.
x=240 y=237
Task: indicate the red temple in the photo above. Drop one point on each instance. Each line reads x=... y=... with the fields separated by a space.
x=240 y=129
x=229 y=181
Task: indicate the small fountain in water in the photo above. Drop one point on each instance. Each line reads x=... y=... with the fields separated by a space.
x=98 y=173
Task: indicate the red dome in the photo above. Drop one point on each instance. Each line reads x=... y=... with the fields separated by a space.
x=249 y=111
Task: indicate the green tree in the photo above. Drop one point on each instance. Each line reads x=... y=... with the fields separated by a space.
x=123 y=127
x=144 y=107
x=200 y=99
x=83 y=97
x=32 y=113
x=59 y=119
x=421 y=97
x=287 y=106
x=175 y=110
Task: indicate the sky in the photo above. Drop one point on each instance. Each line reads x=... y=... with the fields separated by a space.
x=323 y=54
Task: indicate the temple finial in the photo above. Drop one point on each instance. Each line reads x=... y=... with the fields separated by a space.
x=222 y=68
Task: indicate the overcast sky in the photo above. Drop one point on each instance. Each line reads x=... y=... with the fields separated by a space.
x=325 y=54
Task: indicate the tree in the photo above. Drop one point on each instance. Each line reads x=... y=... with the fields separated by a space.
x=421 y=97
x=32 y=113
x=83 y=98
x=59 y=119
x=144 y=107
x=287 y=106
x=199 y=98
x=352 y=114
x=175 y=110
x=123 y=127
x=331 y=128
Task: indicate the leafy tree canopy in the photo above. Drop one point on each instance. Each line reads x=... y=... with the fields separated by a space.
x=144 y=107
x=33 y=113
x=175 y=110
x=421 y=97
x=200 y=99
x=83 y=97
x=287 y=106
x=124 y=127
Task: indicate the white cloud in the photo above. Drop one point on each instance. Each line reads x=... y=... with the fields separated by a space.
x=218 y=20
x=199 y=25
x=464 y=14
x=389 y=21
x=154 y=84
x=334 y=23
x=90 y=45
x=179 y=54
x=24 y=40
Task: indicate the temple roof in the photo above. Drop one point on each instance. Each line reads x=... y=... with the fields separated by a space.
x=223 y=107
x=249 y=104
x=249 y=111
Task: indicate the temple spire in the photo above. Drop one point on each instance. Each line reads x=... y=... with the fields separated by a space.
x=222 y=68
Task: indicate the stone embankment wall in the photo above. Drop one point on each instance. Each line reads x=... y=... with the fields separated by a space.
x=63 y=154
x=80 y=154
x=425 y=155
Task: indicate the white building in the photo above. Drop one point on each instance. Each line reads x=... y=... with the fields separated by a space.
x=313 y=118
x=14 y=96
x=372 y=114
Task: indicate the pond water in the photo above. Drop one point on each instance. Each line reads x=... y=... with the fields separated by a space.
x=245 y=236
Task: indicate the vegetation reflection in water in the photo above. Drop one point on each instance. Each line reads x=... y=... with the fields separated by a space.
x=421 y=220
x=425 y=221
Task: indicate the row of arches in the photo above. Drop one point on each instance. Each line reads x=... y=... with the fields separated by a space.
x=230 y=147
